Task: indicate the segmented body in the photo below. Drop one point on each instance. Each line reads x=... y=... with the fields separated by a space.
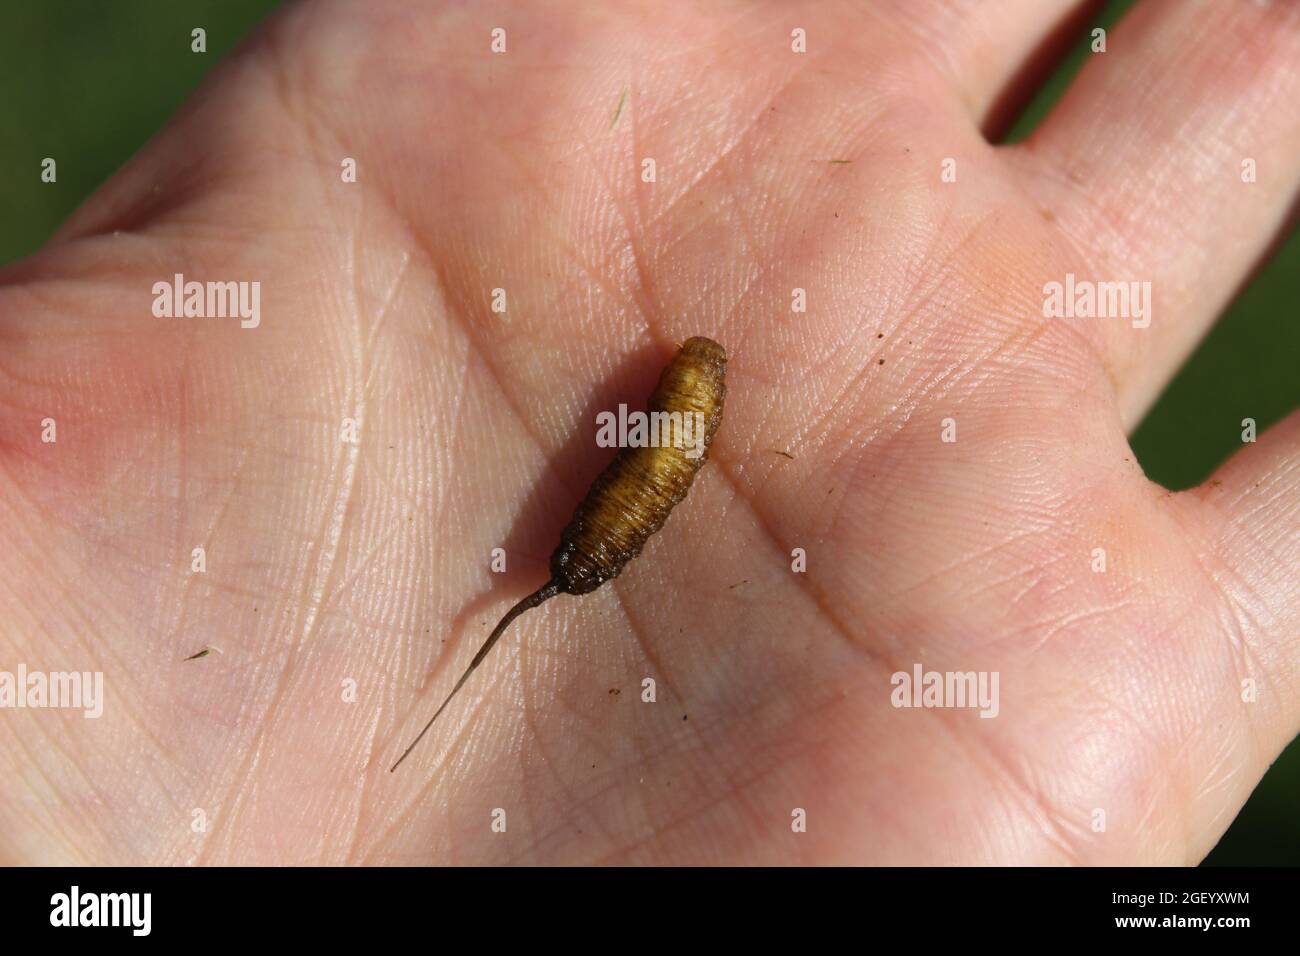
x=632 y=498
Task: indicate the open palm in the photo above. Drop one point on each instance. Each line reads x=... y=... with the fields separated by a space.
x=916 y=467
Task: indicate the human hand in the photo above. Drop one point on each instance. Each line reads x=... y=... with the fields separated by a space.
x=330 y=562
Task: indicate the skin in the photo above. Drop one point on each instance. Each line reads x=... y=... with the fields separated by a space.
x=329 y=562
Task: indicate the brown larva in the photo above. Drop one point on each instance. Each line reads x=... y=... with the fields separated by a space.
x=631 y=499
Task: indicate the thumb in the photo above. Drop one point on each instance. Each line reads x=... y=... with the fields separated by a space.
x=1247 y=516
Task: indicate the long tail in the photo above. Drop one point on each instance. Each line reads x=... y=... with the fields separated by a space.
x=544 y=593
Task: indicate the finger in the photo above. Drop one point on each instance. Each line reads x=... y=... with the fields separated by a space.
x=995 y=54
x=1173 y=160
x=1246 y=524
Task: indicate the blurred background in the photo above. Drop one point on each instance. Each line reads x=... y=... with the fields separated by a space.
x=89 y=82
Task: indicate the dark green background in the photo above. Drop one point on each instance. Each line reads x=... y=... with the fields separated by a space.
x=88 y=82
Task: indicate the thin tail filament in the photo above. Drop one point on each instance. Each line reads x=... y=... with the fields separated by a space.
x=544 y=593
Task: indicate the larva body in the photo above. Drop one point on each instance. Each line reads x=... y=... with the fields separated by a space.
x=632 y=498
